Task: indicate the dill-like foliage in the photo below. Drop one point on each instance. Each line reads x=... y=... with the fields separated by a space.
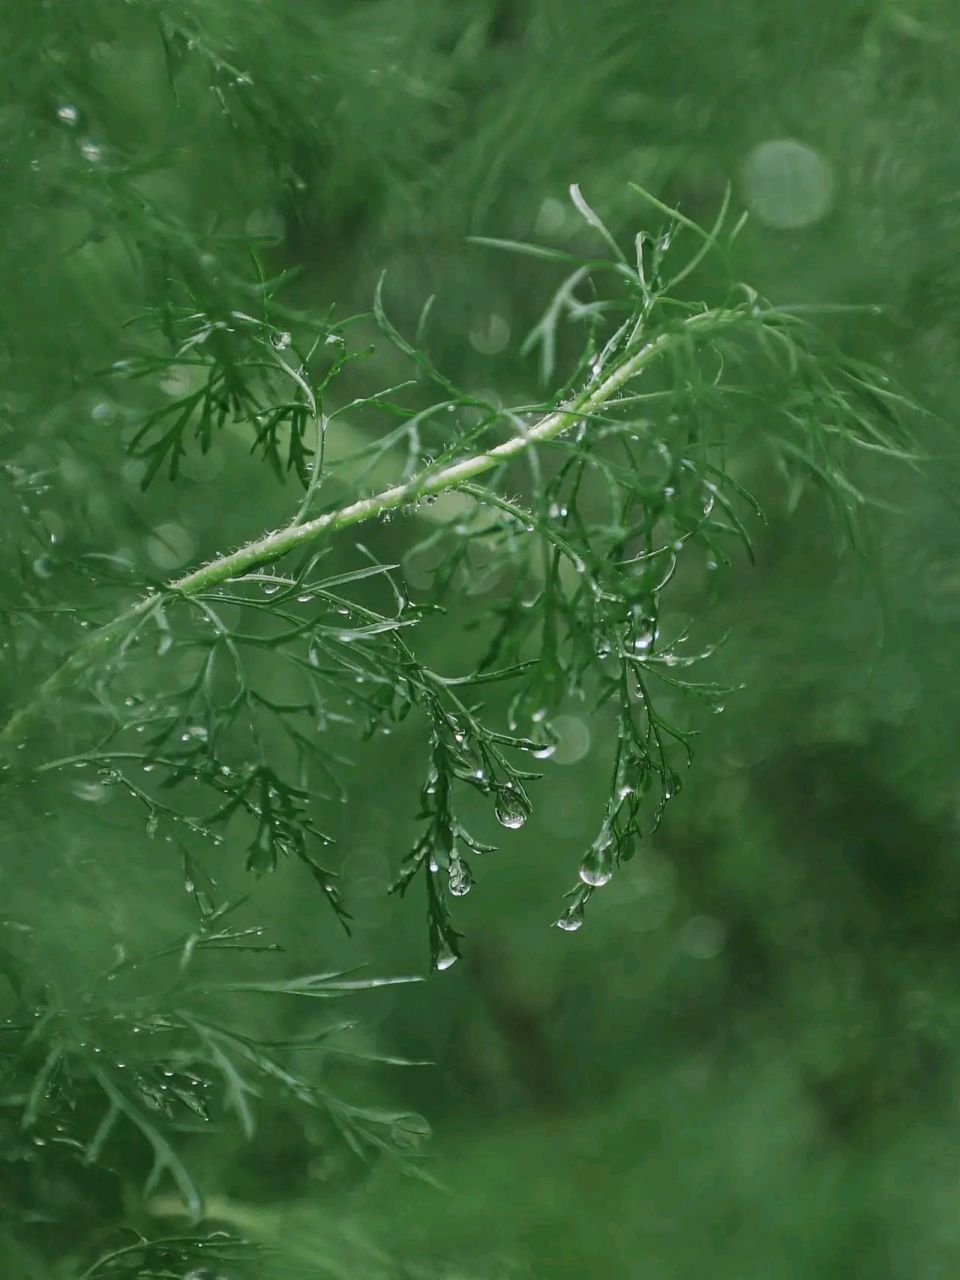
x=593 y=500
x=214 y=702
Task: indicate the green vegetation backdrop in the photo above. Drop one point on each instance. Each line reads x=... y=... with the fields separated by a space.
x=747 y=1061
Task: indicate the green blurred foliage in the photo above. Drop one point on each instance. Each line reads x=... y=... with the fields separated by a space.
x=747 y=1062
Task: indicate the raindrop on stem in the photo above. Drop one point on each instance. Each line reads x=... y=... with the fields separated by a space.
x=512 y=807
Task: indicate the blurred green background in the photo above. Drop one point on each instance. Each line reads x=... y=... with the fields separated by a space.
x=748 y=1062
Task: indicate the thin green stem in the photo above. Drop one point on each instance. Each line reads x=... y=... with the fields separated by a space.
x=271 y=546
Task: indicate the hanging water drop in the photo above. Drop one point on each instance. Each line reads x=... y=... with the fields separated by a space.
x=512 y=808
x=444 y=958
x=572 y=918
x=644 y=640
x=596 y=870
x=461 y=879
x=281 y=339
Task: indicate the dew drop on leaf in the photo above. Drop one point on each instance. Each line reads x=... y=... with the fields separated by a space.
x=461 y=879
x=444 y=958
x=644 y=641
x=596 y=870
x=512 y=808
x=572 y=919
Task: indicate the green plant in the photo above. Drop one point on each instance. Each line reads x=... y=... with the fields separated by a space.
x=213 y=705
x=595 y=500
x=609 y=502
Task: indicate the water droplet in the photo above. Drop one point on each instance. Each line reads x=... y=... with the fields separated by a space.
x=281 y=339
x=512 y=807
x=153 y=823
x=572 y=918
x=91 y=151
x=304 y=599
x=644 y=640
x=596 y=870
x=68 y=114
x=461 y=879
x=444 y=958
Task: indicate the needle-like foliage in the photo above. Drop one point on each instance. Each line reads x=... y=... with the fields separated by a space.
x=213 y=703
x=596 y=501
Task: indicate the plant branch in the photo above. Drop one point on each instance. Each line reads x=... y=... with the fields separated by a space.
x=301 y=533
